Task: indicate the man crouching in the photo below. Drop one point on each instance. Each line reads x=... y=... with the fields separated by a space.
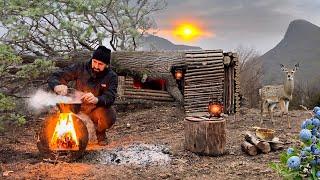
x=99 y=84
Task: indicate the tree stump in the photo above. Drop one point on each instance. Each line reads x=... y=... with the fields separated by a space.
x=205 y=136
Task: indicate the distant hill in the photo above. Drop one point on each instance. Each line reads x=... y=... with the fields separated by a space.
x=301 y=43
x=156 y=43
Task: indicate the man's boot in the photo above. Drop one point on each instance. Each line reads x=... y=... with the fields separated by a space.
x=101 y=137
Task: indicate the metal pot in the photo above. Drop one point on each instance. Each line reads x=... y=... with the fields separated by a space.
x=69 y=107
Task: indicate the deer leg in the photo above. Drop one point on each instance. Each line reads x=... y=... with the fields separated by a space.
x=271 y=108
x=287 y=112
x=282 y=109
x=261 y=111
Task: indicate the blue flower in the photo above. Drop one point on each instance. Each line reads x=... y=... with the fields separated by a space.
x=305 y=135
x=303 y=153
x=308 y=148
x=318 y=174
x=317 y=114
x=293 y=162
x=314 y=131
x=290 y=151
x=316 y=152
x=316 y=109
x=303 y=125
x=307 y=122
x=314 y=139
x=315 y=122
x=313 y=147
x=313 y=162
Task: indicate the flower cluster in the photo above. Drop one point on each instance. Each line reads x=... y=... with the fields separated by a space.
x=303 y=161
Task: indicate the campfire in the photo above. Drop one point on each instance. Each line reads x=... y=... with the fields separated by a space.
x=64 y=136
x=63 y=132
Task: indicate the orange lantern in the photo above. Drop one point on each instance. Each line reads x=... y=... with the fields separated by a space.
x=215 y=109
x=178 y=74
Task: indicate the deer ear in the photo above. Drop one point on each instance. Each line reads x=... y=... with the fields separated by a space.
x=283 y=68
x=296 y=67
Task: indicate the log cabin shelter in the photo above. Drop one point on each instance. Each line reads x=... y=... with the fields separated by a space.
x=193 y=77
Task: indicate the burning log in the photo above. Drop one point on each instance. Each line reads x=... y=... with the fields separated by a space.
x=62 y=133
x=205 y=136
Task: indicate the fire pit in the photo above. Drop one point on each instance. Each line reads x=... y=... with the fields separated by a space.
x=63 y=134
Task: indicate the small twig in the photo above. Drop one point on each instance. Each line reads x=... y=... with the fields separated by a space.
x=306 y=109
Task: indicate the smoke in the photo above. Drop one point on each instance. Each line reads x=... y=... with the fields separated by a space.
x=42 y=99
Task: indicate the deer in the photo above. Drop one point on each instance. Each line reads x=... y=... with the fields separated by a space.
x=278 y=95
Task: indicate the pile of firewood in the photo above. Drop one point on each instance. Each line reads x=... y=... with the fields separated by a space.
x=253 y=145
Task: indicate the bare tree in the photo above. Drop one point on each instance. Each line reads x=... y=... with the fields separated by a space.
x=59 y=27
x=306 y=93
x=250 y=74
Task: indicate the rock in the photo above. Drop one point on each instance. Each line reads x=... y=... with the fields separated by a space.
x=128 y=125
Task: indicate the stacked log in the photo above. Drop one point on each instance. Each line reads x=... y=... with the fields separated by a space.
x=253 y=145
x=156 y=65
x=129 y=92
x=203 y=79
x=237 y=82
x=232 y=83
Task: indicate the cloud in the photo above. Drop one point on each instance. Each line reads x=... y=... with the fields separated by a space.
x=258 y=23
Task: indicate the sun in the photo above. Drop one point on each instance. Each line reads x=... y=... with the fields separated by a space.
x=187 y=32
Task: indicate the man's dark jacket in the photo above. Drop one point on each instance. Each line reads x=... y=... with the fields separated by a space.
x=104 y=86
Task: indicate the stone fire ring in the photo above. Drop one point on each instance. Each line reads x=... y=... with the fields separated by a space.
x=46 y=132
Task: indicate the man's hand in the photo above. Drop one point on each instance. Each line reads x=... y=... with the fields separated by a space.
x=61 y=89
x=89 y=98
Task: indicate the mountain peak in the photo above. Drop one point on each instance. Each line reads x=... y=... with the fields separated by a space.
x=301 y=27
x=300 y=44
x=152 y=42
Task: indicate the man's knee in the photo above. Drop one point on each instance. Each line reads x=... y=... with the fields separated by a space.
x=103 y=118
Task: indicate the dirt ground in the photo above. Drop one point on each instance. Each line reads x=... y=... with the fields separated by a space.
x=161 y=125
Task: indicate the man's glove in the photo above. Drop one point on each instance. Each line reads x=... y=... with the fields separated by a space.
x=61 y=89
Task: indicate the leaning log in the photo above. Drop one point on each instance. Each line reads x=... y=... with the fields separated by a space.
x=263 y=146
x=249 y=148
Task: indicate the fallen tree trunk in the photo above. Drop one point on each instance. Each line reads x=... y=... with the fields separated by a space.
x=154 y=65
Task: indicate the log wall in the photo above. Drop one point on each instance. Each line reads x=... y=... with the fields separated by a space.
x=129 y=92
x=210 y=75
x=204 y=79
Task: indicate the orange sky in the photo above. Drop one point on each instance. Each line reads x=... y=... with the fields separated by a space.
x=185 y=31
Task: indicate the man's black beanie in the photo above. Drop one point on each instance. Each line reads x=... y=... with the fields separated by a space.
x=102 y=54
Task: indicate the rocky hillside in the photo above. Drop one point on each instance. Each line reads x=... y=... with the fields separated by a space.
x=301 y=43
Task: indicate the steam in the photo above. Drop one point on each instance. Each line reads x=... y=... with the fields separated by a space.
x=42 y=99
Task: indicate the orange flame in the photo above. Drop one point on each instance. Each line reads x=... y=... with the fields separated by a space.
x=64 y=136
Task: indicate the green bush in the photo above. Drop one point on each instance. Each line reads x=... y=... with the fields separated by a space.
x=16 y=76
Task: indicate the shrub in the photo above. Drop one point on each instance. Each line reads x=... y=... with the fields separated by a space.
x=303 y=161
